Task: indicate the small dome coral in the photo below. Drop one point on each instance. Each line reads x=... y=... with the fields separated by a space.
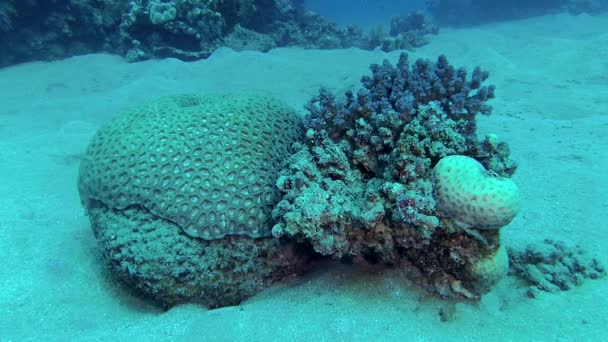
x=472 y=196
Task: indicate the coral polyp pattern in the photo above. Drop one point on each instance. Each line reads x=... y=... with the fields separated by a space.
x=204 y=162
x=472 y=196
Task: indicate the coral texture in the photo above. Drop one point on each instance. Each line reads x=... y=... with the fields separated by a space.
x=472 y=196
x=154 y=258
x=184 y=29
x=361 y=185
x=206 y=163
x=488 y=270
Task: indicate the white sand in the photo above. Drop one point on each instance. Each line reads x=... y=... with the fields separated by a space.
x=552 y=107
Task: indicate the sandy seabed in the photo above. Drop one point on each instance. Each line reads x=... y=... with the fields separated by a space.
x=551 y=75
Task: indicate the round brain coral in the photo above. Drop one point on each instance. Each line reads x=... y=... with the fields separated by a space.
x=472 y=196
x=204 y=162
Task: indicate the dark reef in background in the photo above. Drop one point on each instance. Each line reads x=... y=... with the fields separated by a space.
x=34 y=30
x=462 y=13
x=192 y=29
x=184 y=29
x=407 y=32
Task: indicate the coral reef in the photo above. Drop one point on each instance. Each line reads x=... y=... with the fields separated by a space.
x=193 y=29
x=361 y=185
x=408 y=32
x=184 y=29
x=159 y=184
x=198 y=27
x=553 y=266
x=462 y=13
x=179 y=193
x=47 y=30
x=309 y=30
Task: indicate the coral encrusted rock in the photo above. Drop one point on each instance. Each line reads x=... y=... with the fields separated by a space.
x=155 y=259
x=179 y=191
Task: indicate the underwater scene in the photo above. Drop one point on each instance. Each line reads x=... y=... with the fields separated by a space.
x=303 y=170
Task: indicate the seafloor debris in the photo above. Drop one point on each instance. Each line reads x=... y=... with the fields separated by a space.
x=553 y=266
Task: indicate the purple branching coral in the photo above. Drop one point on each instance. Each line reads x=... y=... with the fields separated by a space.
x=361 y=187
x=392 y=93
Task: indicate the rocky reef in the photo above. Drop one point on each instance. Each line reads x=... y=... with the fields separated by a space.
x=363 y=186
x=184 y=29
x=154 y=259
x=408 y=32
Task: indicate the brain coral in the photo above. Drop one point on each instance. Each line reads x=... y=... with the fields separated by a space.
x=472 y=196
x=204 y=162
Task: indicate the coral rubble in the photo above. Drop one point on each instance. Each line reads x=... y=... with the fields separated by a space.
x=553 y=266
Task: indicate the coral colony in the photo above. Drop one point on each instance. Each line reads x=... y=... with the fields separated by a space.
x=395 y=173
x=210 y=198
x=189 y=206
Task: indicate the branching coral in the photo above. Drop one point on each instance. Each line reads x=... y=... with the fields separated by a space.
x=361 y=185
